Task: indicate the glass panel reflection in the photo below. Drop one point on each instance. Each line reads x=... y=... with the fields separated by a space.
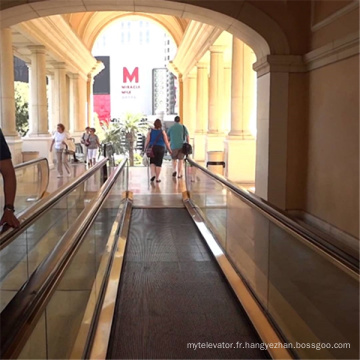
x=32 y=181
x=23 y=255
x=312 y=298
x=72 y=306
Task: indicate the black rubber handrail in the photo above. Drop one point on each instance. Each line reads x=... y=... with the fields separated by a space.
x=19 y=317
x=28 y=216
x=339 y=255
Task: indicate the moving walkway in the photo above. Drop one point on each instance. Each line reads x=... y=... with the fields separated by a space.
x=171 y=301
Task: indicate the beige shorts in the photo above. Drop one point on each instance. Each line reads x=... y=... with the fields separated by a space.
x=177 y=154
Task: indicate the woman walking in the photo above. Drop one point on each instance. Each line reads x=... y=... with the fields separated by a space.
x=158 y=140
x=93 y=146
x=59 y=143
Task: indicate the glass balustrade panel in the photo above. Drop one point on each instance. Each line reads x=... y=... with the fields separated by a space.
x=73 y=303
x=312 y=299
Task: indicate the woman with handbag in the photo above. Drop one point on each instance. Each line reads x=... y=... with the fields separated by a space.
x=93 y=146
x=59 y=142
x=156 y=141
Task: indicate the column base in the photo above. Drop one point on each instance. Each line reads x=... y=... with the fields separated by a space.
x=37 y=136
x=77 y=135
x=240 y=160
x=199 y=153
x=15 y=146
x=40 y=144
x=214 y=142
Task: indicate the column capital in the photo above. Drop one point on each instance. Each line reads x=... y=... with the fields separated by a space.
x=191 y=75
x=74 y=76
x=217 y=48
x=202 y=65
x=90 y=78
x=58 y=64
x=97 y=68
x=37 y=49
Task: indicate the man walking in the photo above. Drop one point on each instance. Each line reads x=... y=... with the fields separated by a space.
x=177 y=135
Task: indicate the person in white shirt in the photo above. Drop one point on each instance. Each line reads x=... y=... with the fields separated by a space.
x=85 y=142
x=59 y=144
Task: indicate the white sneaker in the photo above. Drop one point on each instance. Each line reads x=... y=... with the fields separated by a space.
x=59 y=176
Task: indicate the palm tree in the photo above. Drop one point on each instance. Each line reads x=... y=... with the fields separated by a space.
x=132 y=125
x=123 y=132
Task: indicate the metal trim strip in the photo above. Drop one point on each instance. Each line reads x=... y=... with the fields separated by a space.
x=254 y=311
x=99 y=345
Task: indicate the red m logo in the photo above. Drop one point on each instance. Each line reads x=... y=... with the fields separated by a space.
x=127 y=76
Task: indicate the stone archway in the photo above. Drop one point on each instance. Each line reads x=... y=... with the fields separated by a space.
x=251 y=25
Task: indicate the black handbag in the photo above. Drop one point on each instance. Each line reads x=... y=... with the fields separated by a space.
x=150 y=152
x=186 y=148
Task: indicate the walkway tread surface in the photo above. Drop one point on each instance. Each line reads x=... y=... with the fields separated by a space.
x=172 y=294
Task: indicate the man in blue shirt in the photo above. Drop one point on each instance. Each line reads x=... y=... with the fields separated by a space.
x=177 y=135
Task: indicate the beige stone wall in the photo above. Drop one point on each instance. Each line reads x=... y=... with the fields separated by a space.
x=332 y=192
x=297 y=142
x=333 y=20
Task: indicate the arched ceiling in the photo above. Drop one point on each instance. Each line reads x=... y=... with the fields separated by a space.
x=88 y=25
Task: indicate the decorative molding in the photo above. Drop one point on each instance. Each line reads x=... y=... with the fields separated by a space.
x=279 y=63
x=337 y=50
x=61 y=42
x=197 y=39
x=338 y=14
x=328 y=54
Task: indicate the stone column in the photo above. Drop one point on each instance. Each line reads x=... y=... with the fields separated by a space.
x=74 y=105
x=38 y=137
x=181 y=97
x=61 y=102
x=227 y=99
x=215 y=135
x=249 y=111
x=7 y=96
x=51 y=102
x=38 y=114
x=190 y=104
x=240 y=145
x=202 y=111
x=81 y=123
x=90 y=100
x=273 y=157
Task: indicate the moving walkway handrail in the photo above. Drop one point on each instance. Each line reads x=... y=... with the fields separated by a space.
x=30 y=162
x=19 y=317
x=337 y=255
x=28 y=216
x=44 y=179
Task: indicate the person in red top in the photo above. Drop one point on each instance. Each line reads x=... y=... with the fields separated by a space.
x=8 y=174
